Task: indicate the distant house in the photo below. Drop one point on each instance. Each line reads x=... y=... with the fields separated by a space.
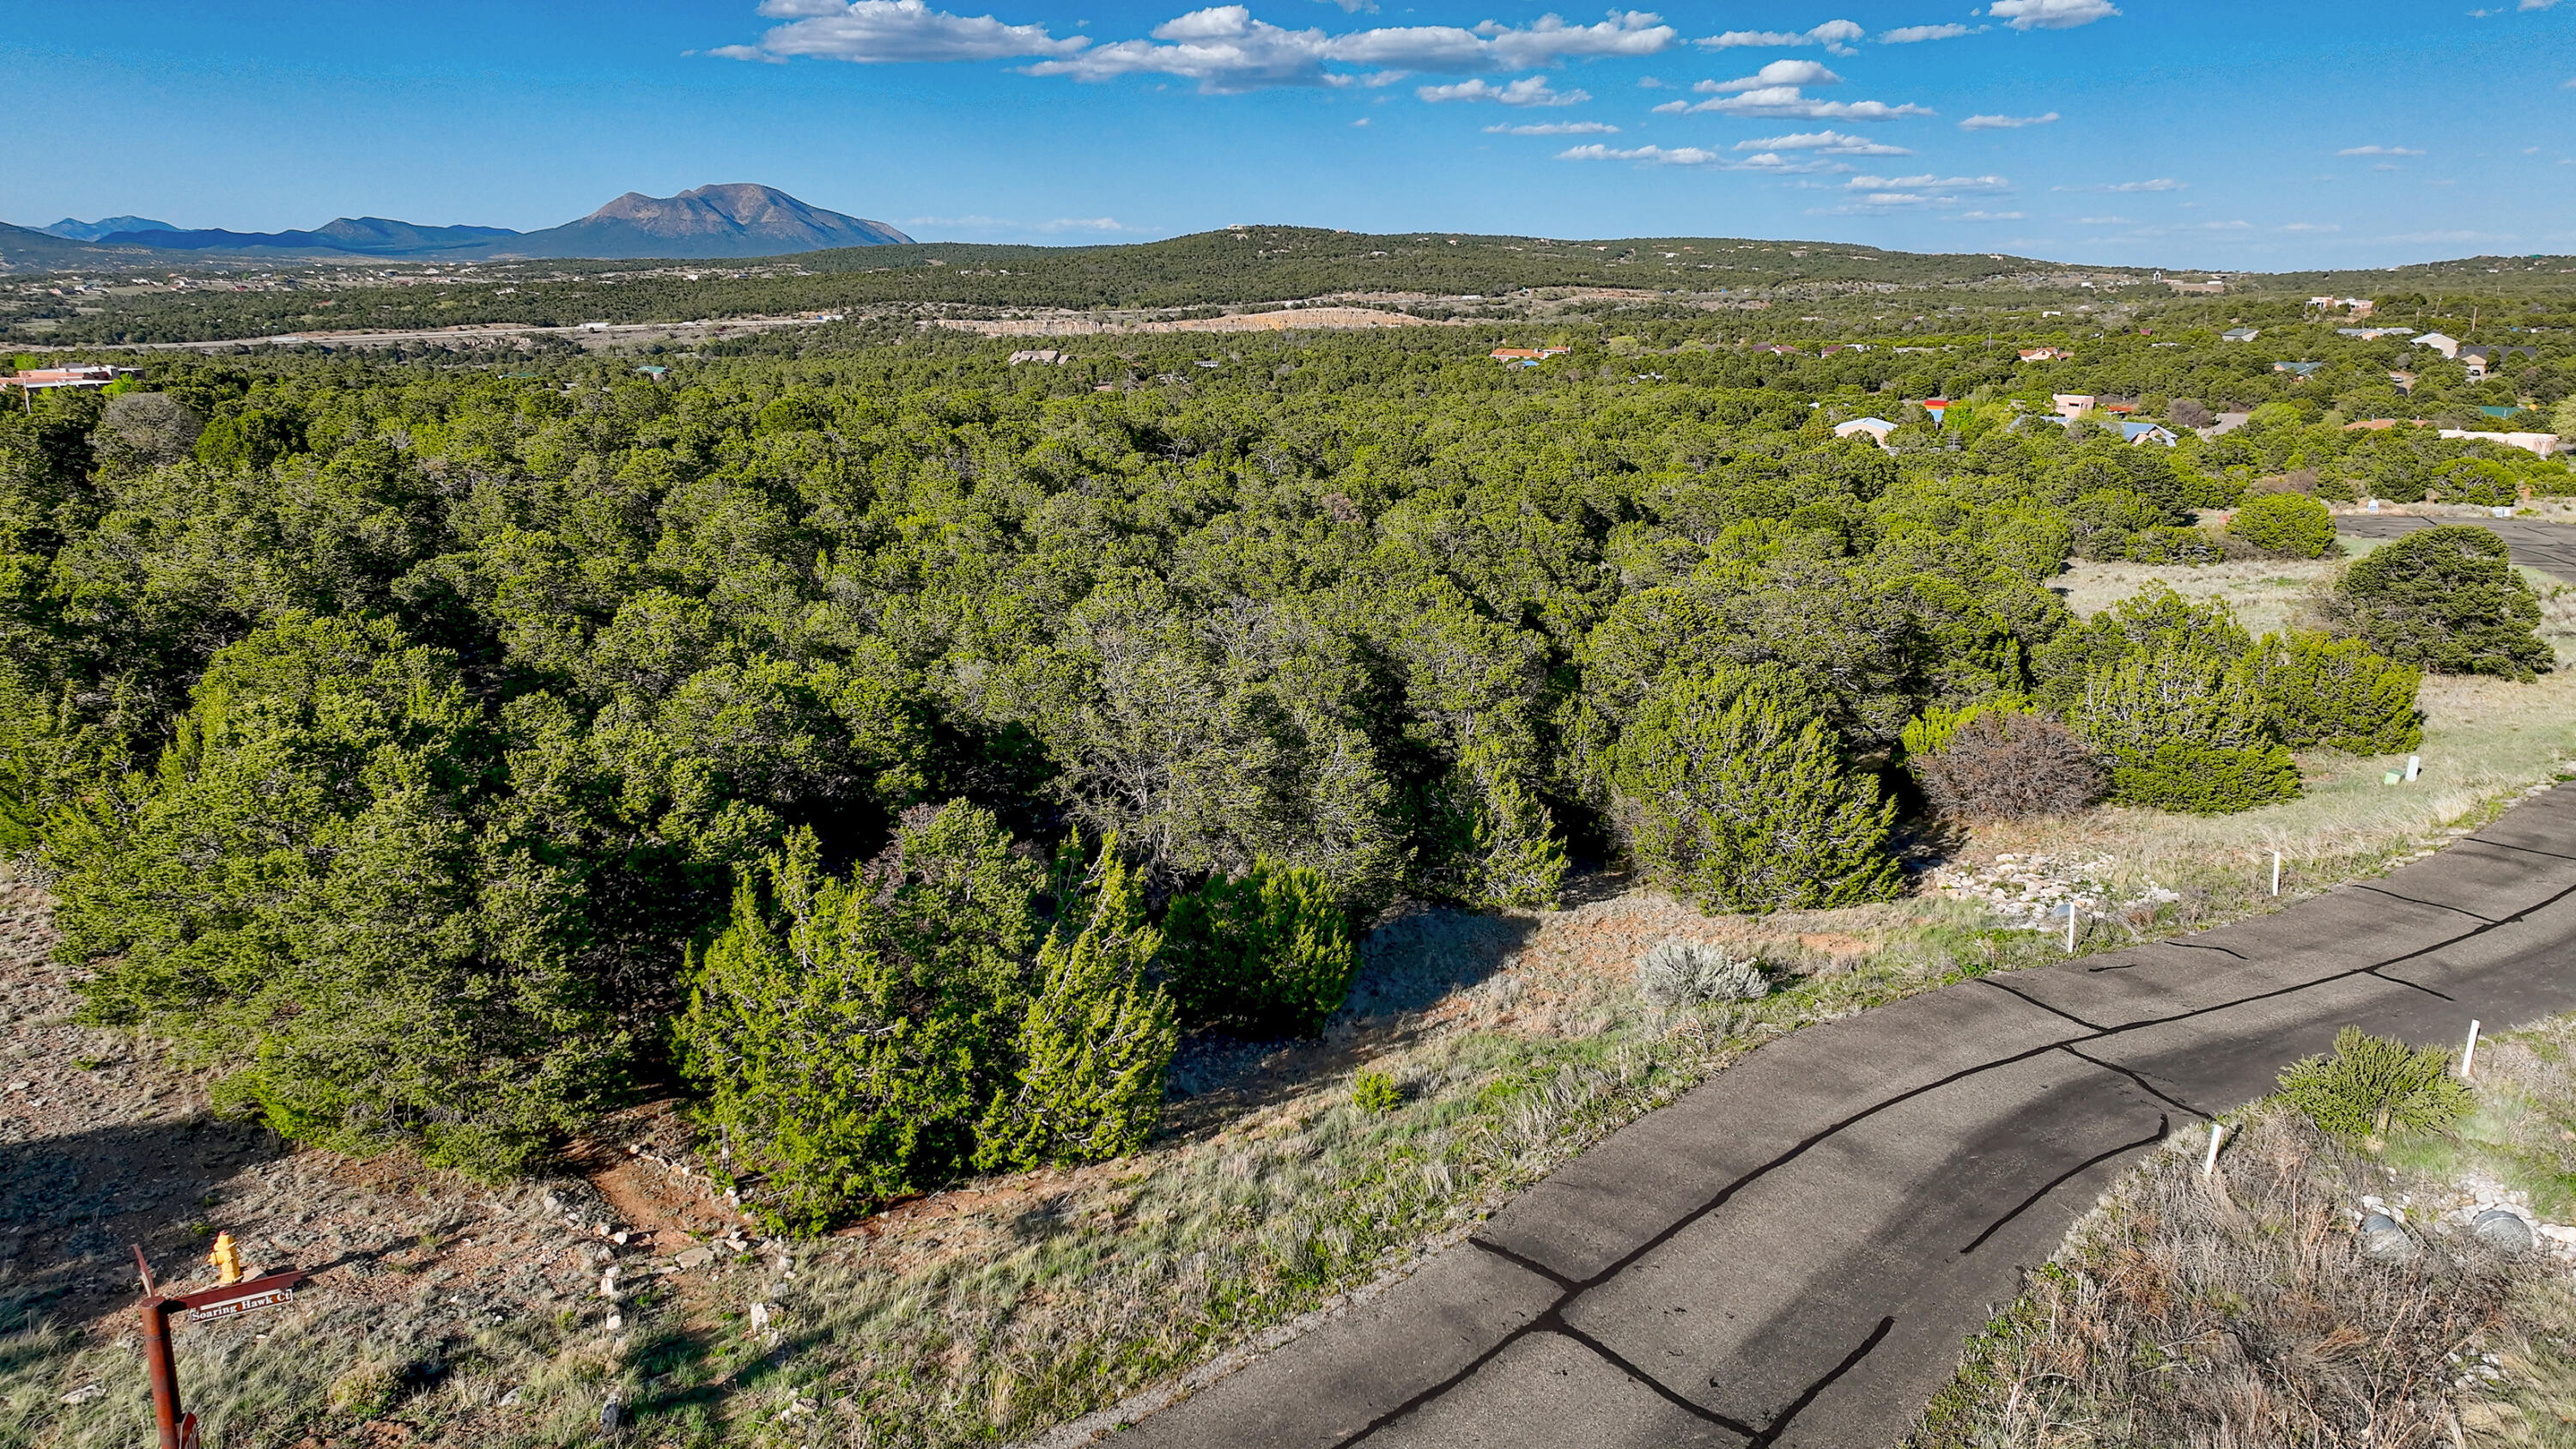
x=1525 y=356
x=2486 y=355
x=2209 y=288
x=2542 y=443
x=45 y=379
x=2301 y=370
x=1938 y=407
x=2358 y=306
x=2373 y=334
x=1776 y=349
x=654 y=371
x=2045 y=354
x=1044 y=356
x=2140 y=431
x=2240 y=334
x=2447 y=346
x=1877 y=428
x=2075 y=404
x=2491 y=410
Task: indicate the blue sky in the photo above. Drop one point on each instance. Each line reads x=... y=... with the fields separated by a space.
x=2276 y=134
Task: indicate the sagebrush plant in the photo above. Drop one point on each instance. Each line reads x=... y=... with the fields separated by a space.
x=2371 y=1085
x=2293 y=525
x=1687 y=973
x=1743 y=806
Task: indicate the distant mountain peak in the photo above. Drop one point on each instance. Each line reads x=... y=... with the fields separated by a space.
x=70 y=229
x=755 y=219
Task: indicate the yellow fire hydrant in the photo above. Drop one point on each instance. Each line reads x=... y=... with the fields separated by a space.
x=227 y=1260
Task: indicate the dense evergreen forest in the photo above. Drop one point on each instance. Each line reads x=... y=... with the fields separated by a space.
x=900 y=750
x=1861 y=290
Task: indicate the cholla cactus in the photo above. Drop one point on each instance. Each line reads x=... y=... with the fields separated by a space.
x=1683 y=973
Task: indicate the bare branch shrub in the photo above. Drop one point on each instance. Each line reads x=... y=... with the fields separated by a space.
x=2005 y=766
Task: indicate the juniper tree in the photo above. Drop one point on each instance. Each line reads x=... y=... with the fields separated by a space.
x=1095 y=1043
x=1741 y=804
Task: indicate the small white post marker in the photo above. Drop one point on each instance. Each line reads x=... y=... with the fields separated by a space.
x=2070 y=928
x=2414 y=766
x=2209 y=1161
x=2469 y=1053
x=2276 y=872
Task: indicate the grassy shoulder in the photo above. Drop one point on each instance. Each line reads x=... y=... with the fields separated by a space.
x=2256 y=1308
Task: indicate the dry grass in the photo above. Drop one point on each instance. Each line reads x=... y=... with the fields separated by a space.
x=2238 y=1314
x=2268 y=595
x=2247 y=1317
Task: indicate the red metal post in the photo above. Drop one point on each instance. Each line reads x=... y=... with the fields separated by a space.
x=164 y=1369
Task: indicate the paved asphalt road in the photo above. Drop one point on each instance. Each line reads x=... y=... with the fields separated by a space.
x=2549 y=547
x=1794 y=1253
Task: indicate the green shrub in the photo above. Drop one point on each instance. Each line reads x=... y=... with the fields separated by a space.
x=2478 y=482
x=2169 y=545
x=2371 y=1084
x=845 y=1042
x=1268 y=954
x=1094 y=1045
x=1931 y=731
x=2339 y=693
x=2154 y=618
x=2290 y=524
x=1376 y=1093
x=1741 y=805
x=2186 y=729
x=2445 y=599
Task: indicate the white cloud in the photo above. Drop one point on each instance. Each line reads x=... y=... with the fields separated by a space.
x=1222 y=47
x=2051 y=14
x=2536 y=4
x=1911 y=34
x=2005 y=123
x=879 y=31
x=1777 y=73
x=1087 y=223
x=1696 y=156
x=1362 y=121
x=1927 y=182
x=1355 y=7
x=2448 y=236
x=1649 y=83
x=1830 y=143
x=1991 y=216
x=1555 y=128
x=1835 y=36
x=2104 y=221
x=2161 y=183
x=1788 y=103
x=1527 y=91
x=2312 y=226
x=2378 y=151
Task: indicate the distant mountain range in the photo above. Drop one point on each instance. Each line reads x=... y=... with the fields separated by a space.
x=90 y=231
x=736 y=220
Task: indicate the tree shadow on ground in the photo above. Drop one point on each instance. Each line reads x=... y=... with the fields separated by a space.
x=71 y=1206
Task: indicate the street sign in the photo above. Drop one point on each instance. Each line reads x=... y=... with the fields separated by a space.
x=215 y=1304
